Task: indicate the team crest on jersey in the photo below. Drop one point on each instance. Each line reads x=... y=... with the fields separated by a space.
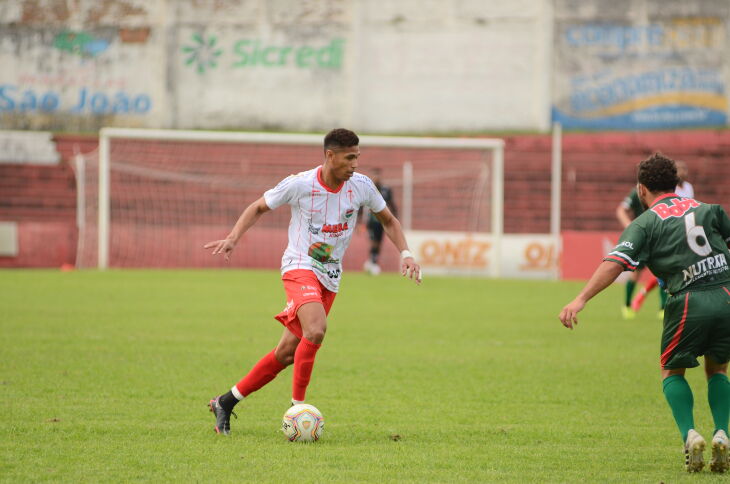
x=320 y=251
x=349 y=212
x=677 y=208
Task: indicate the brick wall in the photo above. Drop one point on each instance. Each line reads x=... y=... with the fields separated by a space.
x=41 y=199
x=598 y=171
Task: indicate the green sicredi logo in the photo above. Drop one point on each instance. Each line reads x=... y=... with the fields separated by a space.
x=252 y=53
x=204 y=54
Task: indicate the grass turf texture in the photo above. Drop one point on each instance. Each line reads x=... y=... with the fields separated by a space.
x=106 y=376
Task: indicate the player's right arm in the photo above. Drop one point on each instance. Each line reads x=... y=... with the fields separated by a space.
x=605 y=274
x=284 y=192
x=625 y=256
x=247 y=219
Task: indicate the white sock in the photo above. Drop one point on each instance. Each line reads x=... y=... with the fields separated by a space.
x=296 y=402
x=236 y=393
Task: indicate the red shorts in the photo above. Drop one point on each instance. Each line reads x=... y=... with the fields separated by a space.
x=301 y=287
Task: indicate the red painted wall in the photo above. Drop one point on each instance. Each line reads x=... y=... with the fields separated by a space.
x=598 y=171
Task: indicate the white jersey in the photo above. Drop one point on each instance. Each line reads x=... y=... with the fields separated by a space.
x=685 y=190
x=322 y=220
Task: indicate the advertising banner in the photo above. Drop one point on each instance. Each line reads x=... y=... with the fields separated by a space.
x=524 y=256
x=650 y=67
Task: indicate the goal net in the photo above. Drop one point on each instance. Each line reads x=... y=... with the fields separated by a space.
x=152 y=198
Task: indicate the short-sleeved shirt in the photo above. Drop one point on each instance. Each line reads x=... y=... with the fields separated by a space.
x=683 y=242
x=633 y=203
x=387 y=194
x=685 y=190
x=322 y=220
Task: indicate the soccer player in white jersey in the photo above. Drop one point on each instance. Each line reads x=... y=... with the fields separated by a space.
x=324 y=203
x=684 y=188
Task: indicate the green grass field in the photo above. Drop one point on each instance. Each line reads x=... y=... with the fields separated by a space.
x=105 y=377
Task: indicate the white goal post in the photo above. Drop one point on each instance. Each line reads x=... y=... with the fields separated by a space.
x=492 y=156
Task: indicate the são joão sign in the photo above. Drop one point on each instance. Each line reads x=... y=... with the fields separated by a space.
x=84 y=100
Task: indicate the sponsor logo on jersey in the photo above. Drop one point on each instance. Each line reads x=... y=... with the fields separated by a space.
x=625 y=243
x=714 y=264
x=677 y=208
x=334 y=229
x=312 y=228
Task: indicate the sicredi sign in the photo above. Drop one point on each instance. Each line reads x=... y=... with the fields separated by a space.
x=205 y=53
x=253 y=52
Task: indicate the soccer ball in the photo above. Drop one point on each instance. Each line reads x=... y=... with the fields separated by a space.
x=303 y=423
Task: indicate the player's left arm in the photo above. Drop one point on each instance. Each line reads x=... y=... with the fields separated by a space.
x=394 y=231
x=391 y=203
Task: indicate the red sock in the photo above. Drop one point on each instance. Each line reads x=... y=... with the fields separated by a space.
x=303 y=364
x=639 y=298
x=262 y=373
x=654 y=282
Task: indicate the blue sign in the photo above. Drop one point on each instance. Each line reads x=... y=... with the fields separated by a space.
x=13 y=98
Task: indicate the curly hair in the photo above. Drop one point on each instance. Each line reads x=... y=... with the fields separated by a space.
x=340 y=138
x=658 y=173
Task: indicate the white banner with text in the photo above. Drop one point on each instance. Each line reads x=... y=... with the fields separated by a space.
x=519 y=256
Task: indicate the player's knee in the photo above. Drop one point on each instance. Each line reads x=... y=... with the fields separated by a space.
x=316 y=333
x=285 y=354
x=286 y=359
x=710 y=372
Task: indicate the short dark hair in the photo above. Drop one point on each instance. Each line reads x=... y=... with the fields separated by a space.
x=658 y=173
x=340 y=138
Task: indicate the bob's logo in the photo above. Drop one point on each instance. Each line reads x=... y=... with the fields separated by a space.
x=677 y=209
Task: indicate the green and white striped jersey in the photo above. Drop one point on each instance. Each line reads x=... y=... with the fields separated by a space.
x=684 y=242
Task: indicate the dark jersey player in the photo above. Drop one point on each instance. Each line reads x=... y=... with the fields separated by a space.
x=627 y=211
x=375 y=228
x=322 y=201
x=685 y=243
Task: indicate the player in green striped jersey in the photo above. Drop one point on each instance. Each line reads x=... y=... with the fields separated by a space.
x=685 y=243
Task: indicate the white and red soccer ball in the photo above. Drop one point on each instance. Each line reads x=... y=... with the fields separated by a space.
x=303 y=423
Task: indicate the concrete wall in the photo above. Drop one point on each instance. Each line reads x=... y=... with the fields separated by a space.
x=377 y=66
